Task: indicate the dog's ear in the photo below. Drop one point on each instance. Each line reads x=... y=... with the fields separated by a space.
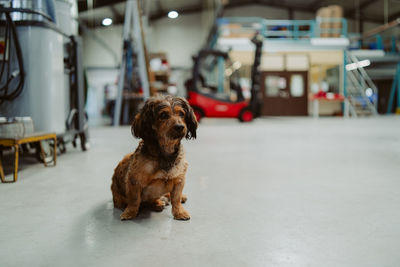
x=191 y=123
x=190 y=119
x=142 y=125
x=136 y=128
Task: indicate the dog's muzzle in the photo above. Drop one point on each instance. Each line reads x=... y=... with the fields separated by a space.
x=179 y=128
x=178 y=131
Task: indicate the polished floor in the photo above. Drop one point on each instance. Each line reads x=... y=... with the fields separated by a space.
x=276 y=192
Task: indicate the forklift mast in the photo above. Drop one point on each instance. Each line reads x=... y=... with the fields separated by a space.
x=255 y=102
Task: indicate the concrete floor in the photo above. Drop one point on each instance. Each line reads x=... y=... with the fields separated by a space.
x=276 y=192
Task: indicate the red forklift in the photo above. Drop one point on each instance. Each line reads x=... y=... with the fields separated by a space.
x=215 y=90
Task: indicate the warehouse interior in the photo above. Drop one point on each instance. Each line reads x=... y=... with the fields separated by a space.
x=292 y=132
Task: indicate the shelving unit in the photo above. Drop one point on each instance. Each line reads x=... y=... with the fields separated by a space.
x=159 y=73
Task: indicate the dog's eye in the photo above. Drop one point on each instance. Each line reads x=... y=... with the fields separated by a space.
x=164 y=116
x=181 y=114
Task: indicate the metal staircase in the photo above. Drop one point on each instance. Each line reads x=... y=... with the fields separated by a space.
x=361 y=92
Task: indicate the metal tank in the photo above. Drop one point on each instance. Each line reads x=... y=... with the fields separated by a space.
x=43 y=6
x=45 y=96
x=67 y=21
x=67 y=16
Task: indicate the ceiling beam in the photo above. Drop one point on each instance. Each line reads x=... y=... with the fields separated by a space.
x=195 y=9
x=118 y=18
x=283 y=5
x=315 y=5
x=234 y=4
x=82 y=5
x=187 y=10
x=363 y=5
x=296 y=7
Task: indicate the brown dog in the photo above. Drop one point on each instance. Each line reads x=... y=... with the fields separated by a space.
x=158 y=167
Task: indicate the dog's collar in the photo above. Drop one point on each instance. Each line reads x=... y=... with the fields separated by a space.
x=165 y=161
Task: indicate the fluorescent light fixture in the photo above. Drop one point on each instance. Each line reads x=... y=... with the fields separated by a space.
x=330 y=42
x=173 y=14
x=107 y=21
x=359 y=64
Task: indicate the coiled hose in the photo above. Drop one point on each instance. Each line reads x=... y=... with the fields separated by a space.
x=10 y=90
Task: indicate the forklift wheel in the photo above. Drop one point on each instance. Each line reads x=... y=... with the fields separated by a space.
x=198 y=113
x=246 y=115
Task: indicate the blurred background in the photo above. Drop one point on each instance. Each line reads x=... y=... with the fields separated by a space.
x=332 y=58
x=301 y=97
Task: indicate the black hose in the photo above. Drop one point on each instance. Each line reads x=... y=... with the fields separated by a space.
x=25 y=10
x=4 y=54
x=6 y=93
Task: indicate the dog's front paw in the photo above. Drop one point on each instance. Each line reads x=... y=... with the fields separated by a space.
x=128 y=214
x=181 y=214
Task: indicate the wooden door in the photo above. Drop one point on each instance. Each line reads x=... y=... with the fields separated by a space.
x=284 y=93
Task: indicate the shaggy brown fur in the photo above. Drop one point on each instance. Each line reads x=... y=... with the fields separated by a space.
x=155 y=172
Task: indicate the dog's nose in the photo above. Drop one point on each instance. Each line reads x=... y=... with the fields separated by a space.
x=179 y=127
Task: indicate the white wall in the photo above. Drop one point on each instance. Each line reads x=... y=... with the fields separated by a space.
x=98 y=62
x=94 y=54
x=97 y=80
x=180 y=38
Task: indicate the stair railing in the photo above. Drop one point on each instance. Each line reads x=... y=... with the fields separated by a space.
x=361 y=81
x=365 y=77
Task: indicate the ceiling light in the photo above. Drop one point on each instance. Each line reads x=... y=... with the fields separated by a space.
x=107 y=22
x=173 y=14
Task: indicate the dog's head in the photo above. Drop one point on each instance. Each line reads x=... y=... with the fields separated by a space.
x=165 y=119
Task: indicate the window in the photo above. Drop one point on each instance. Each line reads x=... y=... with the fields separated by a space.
x=273 y=84
x=296 y=85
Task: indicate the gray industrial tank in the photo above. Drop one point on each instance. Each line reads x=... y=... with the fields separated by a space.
x=67 y=16
x=45 y=96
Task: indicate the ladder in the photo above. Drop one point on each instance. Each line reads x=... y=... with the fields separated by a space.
x=361 y=92
x=132 y=16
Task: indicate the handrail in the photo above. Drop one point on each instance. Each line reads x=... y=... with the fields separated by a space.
x=359 y=87
x=364 y=75
x=290 y=29
x=381 y=28
x=354 y=81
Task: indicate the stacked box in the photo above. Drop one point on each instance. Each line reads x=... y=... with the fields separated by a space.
x=337 y=14
x=323 y=16
x=234 y=30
